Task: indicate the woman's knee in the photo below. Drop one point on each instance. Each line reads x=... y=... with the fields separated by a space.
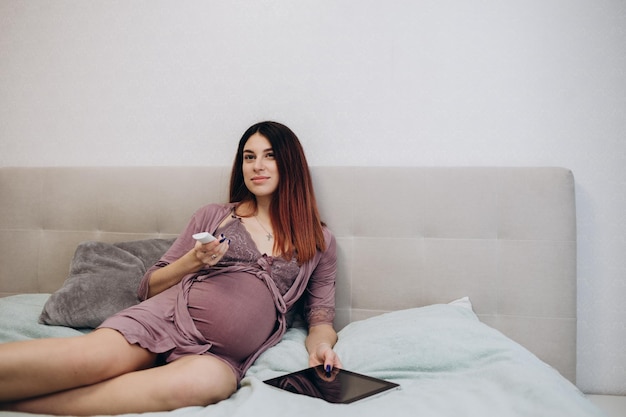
x=200 y=380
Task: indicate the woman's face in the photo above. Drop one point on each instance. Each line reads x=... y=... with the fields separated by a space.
x=260 y=171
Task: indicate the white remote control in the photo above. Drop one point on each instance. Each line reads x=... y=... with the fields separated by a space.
x=204 y=237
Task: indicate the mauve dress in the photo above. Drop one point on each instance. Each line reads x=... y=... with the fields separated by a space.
x=235 y=310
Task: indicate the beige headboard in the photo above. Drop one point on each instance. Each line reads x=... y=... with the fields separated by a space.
x=408 y=236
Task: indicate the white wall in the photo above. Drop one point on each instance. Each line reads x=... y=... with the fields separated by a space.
x=422 y=82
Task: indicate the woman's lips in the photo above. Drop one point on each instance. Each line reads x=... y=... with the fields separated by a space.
x=259 y=180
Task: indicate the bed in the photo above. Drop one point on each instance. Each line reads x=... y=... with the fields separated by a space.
x=458 y=283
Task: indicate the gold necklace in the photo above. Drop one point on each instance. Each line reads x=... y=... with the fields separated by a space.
x=269 y=236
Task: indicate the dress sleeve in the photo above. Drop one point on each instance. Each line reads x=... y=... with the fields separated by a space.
x=319 y=304
x=205 y=219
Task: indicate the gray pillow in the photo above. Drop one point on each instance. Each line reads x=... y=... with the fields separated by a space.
x=102 y=281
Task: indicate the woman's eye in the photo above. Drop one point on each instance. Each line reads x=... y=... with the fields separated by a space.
x=248 y=157
x=270 y=155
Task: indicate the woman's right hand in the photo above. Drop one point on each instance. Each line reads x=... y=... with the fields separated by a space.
x=194 y=260
x=211 y=253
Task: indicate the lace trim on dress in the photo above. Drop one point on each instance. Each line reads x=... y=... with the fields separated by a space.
x=320 y=315
x=243 y=250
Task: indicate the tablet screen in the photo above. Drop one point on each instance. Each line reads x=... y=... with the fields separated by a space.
x=340 y=386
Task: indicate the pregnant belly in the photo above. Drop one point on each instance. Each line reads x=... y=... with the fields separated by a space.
x=235 y=312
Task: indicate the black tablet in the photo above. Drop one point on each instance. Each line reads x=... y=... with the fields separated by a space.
x=339 y=386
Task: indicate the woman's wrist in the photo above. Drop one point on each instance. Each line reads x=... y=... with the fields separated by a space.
x=193 y=263
x=330 y=346
x=319 y=349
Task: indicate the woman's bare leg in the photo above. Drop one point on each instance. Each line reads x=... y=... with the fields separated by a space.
x=191 y=380
x=43 y=366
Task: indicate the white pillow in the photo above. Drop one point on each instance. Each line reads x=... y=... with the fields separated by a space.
x=463 y=302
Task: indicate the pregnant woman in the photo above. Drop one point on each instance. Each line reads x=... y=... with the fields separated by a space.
x=209 y=309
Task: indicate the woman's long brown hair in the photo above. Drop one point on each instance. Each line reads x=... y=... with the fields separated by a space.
x=295 y=218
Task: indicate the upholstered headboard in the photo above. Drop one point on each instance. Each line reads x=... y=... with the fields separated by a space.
x=407 y=236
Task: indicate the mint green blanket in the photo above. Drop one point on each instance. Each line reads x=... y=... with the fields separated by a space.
x=446 y=361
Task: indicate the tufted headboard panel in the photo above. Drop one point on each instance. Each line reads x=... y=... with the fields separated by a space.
x=407 y=236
